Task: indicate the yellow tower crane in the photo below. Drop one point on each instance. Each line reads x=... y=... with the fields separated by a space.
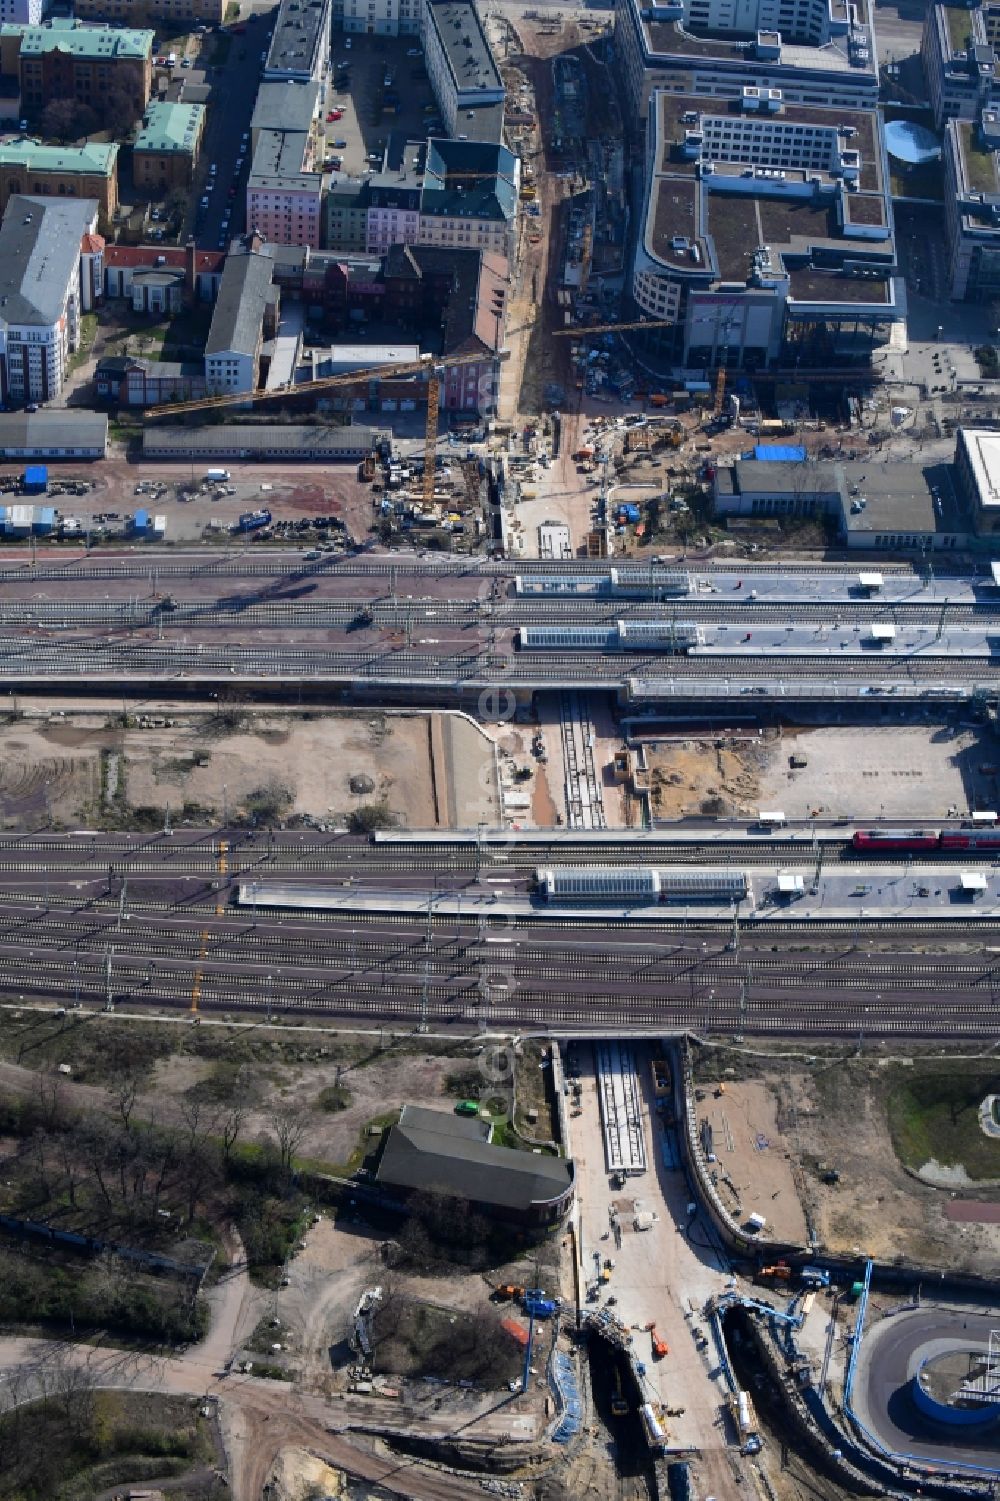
x=428 y=365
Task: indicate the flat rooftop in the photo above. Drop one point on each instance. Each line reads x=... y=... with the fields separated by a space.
x=277 y=164
x=297 y=36
x=285 y=104
x=802 y=210
x=983 y=450
x=464 y=42
x=859 y=134
x=667 y=39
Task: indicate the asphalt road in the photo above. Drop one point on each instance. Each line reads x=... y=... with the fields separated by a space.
x=891 y=1351
x=234 y=92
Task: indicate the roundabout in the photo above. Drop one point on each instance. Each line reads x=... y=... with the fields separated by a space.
x=927 y=1390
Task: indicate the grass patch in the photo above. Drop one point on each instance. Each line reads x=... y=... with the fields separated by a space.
x=978 y=163
x=80 y=1442
x=935 y=1114
x=959 y=27
x=88 y=332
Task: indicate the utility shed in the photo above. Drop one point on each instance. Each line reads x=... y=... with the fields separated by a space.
x=972 y=882
x=871 y=583
x=789 y=883
x=883 y=631
x=431 y=1151
x=36 y=478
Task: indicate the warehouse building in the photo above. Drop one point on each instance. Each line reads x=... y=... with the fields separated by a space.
x=259 y=442
x=53 y=435
x=906 y=508
x=432 y=1151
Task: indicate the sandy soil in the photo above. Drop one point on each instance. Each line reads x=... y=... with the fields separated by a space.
x=755 y=1162
x=431 y=769
x=879 y=772
x=833 y=1116
x=715 y=777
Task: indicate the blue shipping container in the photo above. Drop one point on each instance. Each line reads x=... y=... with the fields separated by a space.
x=36 y=477
x=779 y=453
x=140 y=521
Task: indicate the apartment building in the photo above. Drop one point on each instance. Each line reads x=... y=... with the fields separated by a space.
x=959 y=51
x=236 y=335
x=767 y=234
x=300 y=42
x=462 y=72
x=657 y=52
x=22 y=12
x=378 y=17
x=440 y=192
x=65 y=60
x=167 y=147
x=292 y=108
x=285 y=197
x=972 y=207
x=51 y=272
x=88 y=171
x=179 y=13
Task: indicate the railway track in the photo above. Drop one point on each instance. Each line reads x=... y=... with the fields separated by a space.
x=333 y=614
x=67 y=659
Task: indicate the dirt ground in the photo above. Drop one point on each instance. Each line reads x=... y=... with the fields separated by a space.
x=707 y=776
x=879 y=772
x=833 y=1115
x=756 y=1173
x=378 y=1083
x=79 y=768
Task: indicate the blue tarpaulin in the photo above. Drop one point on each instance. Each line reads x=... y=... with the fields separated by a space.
x=779 y=453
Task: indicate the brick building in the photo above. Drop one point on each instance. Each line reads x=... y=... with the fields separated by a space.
x=88 y=171
x=167 y=146
x=66 y=60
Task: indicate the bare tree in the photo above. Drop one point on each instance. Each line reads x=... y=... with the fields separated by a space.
x=290 y=1128
x=232 y=1126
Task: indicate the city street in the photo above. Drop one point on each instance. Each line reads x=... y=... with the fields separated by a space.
x=234 y=91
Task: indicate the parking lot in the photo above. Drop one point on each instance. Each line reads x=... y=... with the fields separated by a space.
x=371 y=120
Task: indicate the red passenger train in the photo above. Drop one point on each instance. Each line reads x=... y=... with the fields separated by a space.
x=925 y=841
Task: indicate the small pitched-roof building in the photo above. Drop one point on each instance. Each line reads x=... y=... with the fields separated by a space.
x=434 y=1152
